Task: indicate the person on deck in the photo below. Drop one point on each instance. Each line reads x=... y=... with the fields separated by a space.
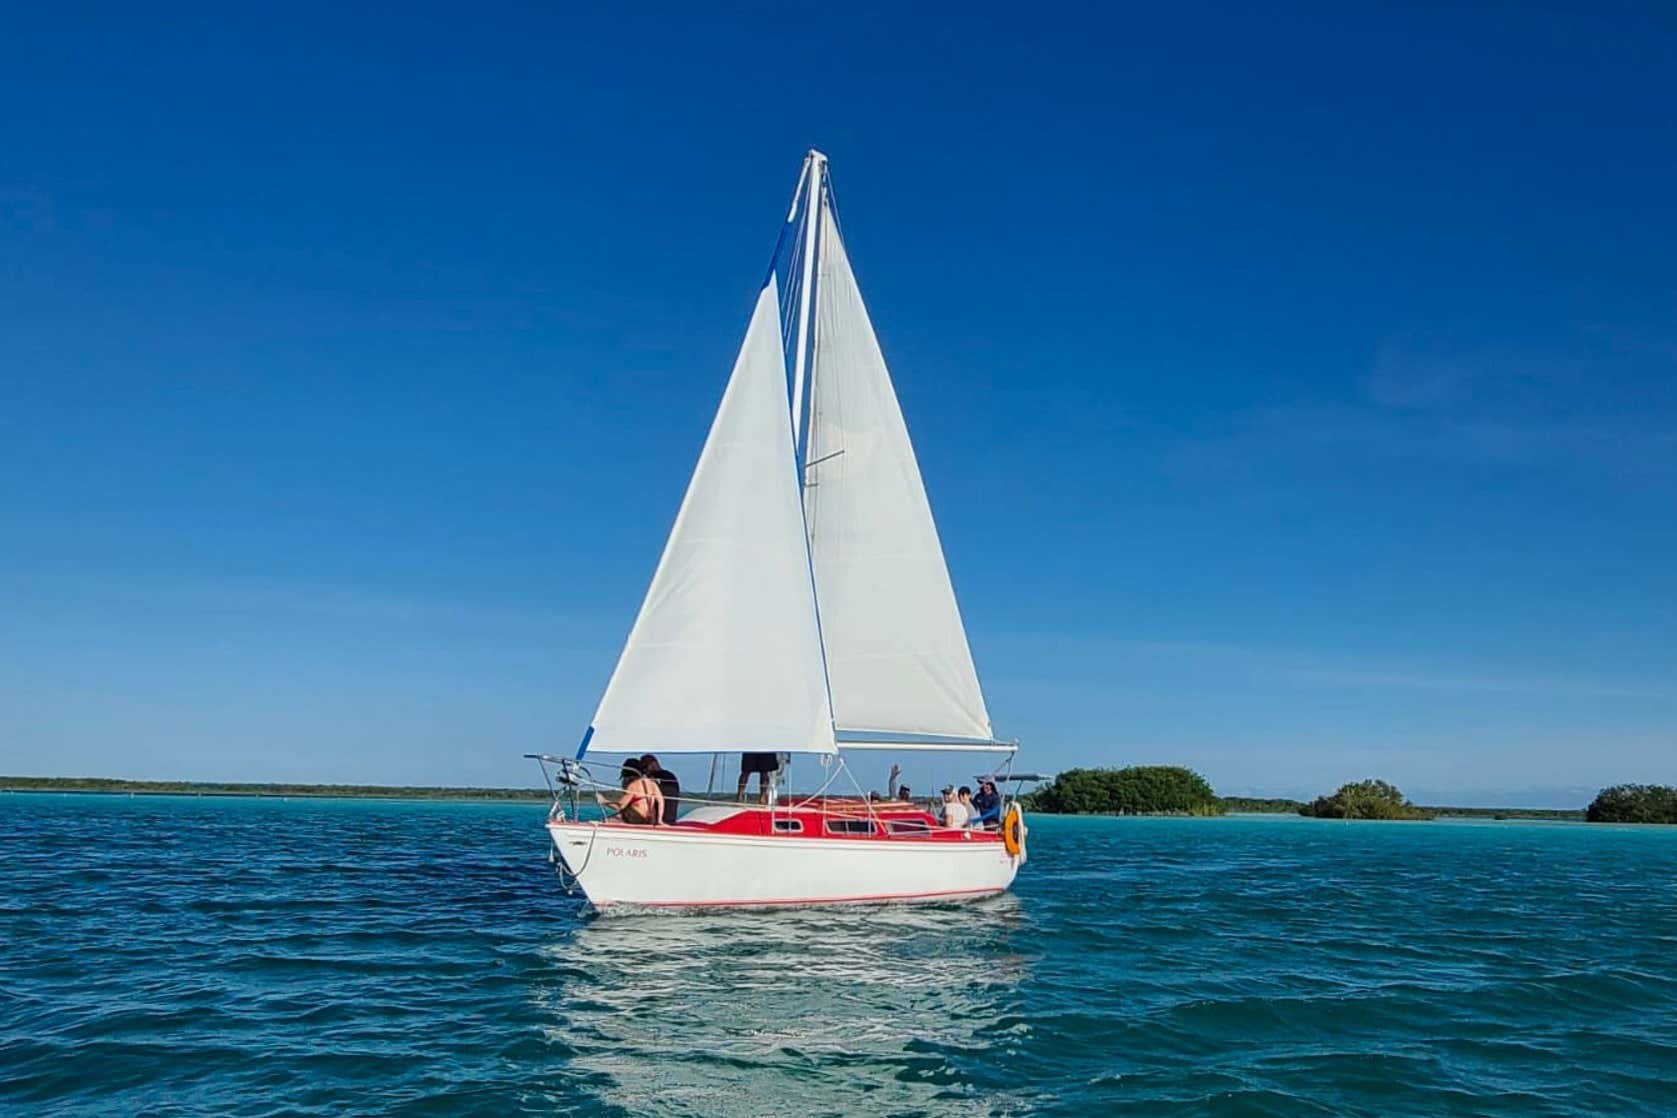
x=763 y=764
x=987 y=806
x=964 y=796
x=641 y=800
x=954 y=811
x=667 y=784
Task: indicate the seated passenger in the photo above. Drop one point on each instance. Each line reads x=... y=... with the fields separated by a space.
x=954 y=811
x=987 y=806
x=667 y=784
x=641 y=800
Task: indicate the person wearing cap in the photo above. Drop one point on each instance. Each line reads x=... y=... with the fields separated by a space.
x=955 y=813
x=986 y=805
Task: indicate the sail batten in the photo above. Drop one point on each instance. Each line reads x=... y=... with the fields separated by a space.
x=896 y=651
x=725 y=653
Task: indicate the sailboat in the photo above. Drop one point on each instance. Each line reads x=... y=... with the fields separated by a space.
x=802 y=609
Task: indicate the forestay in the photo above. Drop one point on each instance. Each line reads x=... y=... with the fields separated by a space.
x=897 y=654
x=725 y=654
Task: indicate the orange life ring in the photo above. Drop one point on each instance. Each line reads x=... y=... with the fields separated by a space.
x=1013 y=831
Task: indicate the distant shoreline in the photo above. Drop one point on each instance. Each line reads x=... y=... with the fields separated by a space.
x=1551 y=814
x=1246 y=805
x=263 y=790
x=267 y=790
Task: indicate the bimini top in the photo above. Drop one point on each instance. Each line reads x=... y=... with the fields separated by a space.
x=802 y=602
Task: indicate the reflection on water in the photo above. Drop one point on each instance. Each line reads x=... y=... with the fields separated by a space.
x=845 y=1007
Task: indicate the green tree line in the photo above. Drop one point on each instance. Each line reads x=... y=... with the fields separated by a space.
x=1136 y=790
x=1260 y=805
x=1634 y=803
x=1365 y=799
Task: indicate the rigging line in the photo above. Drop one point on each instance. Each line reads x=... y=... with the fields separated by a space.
x=807 y=800
x=780 y=238
x=790 y=258
x=793 y=284
x=832 y=204
x=792 y=210
x=790 y=295
x=891 y=793
x=593 y=836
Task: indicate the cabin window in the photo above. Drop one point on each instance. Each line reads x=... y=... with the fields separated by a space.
x=849 y=827
x=789 y=826
x=908 y=826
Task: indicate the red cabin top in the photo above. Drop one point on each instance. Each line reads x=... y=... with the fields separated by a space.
x=890 y=820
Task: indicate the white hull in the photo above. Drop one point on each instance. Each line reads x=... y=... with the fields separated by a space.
x=675 y=867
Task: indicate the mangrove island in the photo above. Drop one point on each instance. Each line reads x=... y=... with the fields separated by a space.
x=1634 y=803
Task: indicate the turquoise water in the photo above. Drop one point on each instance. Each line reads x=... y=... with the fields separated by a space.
x=177 y=956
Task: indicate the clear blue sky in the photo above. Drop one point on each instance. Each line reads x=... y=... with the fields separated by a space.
x=1296 y=386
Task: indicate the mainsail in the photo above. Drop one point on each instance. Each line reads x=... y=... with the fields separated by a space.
x=898 y=662
x=725 y=653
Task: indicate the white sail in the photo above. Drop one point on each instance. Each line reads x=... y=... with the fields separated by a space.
x=725 y=654
x=897 y=654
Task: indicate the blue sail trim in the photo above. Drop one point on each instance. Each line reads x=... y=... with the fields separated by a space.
x=587 y=737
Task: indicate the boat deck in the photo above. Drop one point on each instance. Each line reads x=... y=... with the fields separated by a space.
x=831 y=819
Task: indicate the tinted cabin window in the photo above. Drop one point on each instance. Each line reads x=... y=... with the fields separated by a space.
x=849 y=827
x=908 y=826
x=790 y=826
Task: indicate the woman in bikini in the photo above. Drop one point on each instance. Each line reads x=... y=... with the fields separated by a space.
x=641 y=800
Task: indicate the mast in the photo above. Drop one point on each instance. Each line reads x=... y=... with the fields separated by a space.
x=814 y=174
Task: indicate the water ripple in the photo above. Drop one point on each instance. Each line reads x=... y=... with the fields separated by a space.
x=196 y=957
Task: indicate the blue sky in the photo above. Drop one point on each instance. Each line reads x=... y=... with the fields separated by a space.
x=1296 y=388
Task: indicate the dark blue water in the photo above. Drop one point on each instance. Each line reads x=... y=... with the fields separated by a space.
x=198 y=956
